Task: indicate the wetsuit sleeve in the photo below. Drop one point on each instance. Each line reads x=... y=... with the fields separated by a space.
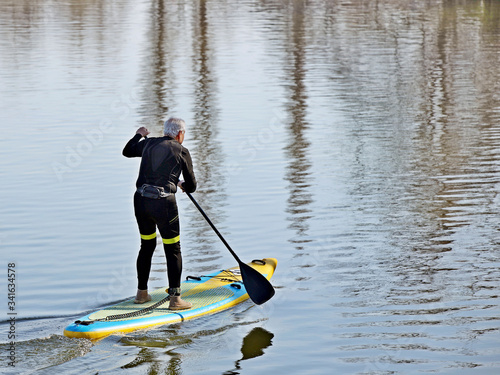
x=189 y=184
x=134 y=147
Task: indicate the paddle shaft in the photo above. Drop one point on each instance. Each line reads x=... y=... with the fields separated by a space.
x=259 y=288
x=214 y=228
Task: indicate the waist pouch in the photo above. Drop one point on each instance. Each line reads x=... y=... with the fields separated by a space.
x=153 y=192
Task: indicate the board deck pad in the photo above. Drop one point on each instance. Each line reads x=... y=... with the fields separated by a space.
x=208 y=294
x=199 y=298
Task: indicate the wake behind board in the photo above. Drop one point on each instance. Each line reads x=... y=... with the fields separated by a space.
x=208 y=294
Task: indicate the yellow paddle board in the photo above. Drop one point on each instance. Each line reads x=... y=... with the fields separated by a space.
x=208 y=294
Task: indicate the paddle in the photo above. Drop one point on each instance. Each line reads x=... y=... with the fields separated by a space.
x=257 y=286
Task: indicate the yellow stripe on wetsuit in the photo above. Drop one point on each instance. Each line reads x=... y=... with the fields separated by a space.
x=148 y=236
x=168 y=241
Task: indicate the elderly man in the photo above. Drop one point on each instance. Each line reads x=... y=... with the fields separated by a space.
x=163 y=160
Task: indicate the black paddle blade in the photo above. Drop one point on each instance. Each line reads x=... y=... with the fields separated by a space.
x=259 y=288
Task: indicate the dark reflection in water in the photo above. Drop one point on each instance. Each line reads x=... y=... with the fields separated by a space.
x=298 y=171
x=148 y=357
x=207 y=154
x=158 y=72
x=290 y=21
x=253 y=346
x=162 y=350
x=255 y=342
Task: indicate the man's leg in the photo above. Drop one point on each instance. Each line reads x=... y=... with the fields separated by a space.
x=147 y=230
x=144 y=258
x=174 y=263
x=169 y=230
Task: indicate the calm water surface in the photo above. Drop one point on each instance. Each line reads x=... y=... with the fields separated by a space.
x=355 y=141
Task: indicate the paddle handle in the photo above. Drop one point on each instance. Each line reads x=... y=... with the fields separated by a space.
x=213 y=227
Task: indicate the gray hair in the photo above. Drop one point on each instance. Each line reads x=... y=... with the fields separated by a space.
x=173 y=126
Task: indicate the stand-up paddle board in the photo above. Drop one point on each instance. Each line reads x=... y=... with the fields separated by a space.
x=208 y=294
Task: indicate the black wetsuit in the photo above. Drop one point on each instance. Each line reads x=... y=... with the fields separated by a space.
x=163 y=160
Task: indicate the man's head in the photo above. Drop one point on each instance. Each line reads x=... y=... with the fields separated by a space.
x=173 y=126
